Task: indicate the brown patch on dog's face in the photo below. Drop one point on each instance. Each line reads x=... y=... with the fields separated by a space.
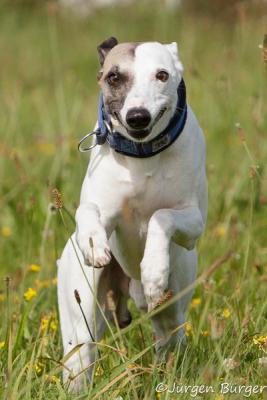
x=116 y=76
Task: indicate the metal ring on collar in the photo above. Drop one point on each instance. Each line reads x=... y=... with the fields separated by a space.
x=84 y=149
x=108 y=126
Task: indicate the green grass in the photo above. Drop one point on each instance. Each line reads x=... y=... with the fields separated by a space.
x=48 y=102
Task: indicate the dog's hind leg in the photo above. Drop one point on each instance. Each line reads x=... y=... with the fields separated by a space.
x=120 y=283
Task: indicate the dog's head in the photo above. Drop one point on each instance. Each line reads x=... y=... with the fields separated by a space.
x=139 y=83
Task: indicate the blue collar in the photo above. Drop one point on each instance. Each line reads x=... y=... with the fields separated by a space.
x=131 y=148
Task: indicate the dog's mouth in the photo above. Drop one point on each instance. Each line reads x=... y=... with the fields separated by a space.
x=140 y=134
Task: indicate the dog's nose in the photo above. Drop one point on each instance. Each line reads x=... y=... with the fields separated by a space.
x=138 y=118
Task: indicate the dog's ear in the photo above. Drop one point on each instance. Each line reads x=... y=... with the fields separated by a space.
x=104 y=48
x=173 y=49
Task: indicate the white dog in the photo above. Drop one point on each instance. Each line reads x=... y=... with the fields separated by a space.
x=143 y=201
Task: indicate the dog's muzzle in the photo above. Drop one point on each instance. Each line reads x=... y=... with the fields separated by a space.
x=138 y=118
x=139 y=122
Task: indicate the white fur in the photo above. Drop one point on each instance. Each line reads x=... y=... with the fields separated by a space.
x=148 y=212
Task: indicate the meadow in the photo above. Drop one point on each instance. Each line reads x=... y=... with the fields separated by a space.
x=48 y=101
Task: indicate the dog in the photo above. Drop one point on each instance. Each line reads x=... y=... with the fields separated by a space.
x=143 y=203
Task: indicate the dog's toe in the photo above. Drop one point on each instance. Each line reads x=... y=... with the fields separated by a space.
x=99 y=257
x=102 y=257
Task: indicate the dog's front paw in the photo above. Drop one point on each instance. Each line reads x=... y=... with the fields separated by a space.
x=154 y=276
x=95 y=249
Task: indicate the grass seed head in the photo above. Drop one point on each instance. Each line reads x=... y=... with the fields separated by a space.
x=57 y=198
x=110 y=301
x=91 y=243
x=77 y=296
x=165 y=297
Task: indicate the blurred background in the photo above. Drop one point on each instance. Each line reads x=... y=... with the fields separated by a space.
x=48 y=102
x=49 y=95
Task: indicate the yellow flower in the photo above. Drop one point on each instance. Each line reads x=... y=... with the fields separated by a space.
x=219 y=397
x=34 y=267
x=195 y=302
x=49 y=322
x=131 y=366
x=44 y=323
x=54 y=324
x=2 y=297
x=99 y=371
x=260 y=340
x=188 y=329
x=220 y=231
x=2 y=345
x=6 y=231
x=39 y=367
x=52 y=378
x=226 y=313
x=30 y=294
x=205 y=333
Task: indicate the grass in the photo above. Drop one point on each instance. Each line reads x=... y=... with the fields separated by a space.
x=48 y=102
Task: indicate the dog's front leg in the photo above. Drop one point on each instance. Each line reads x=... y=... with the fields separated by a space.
x=95 y=227
x=183 y=227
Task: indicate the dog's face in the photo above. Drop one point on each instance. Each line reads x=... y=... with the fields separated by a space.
x=139 y=83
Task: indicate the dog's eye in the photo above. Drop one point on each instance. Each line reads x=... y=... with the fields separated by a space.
x=113 y=79
x=162 y=76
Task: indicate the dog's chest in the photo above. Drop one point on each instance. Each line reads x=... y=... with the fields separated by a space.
x=149 y=186
x=144 y=190
x=139 y=187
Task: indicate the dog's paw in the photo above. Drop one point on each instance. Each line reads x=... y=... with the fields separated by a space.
x=101 y=255
x=154 y=276
x=153 y=297
x=95 y=250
